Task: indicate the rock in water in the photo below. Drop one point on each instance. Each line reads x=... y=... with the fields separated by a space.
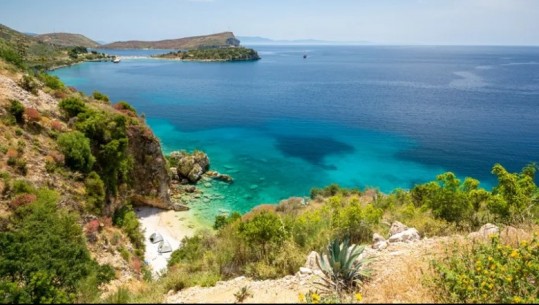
x=191 y=166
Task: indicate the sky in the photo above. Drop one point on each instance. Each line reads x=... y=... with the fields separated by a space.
x=431 y=22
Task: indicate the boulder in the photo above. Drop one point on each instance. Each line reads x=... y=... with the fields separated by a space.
x=485 y=232
x=408 y=235
x=379 y=242
x=310 y=263
x=191 y=166
x=397 y=227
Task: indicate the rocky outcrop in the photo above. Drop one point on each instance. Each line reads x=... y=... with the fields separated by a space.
x=398 y=233
x=190 y=166
x=149 y=174
x=408 y=235
x=379 y=242
x=220 y=177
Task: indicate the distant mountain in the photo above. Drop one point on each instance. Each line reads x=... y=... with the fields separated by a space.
x=68 y=40
x=30 y=34
x=253 y=40
x=225 y=39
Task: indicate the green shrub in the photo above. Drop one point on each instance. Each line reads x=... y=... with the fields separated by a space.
x=76 y=149
x=264 y=233
x=72 y=106
x=126 y=219
x=95 y=193
x=489 y=273
x=51 y=81
x=49 y=258
x=515 y=196
x=223 y=220
x=16 y=109
x=22 y=186
x=11 y=56
x=122 y=105
x=100 y=96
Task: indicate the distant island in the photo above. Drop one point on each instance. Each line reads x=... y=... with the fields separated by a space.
x=219 y=40
x=213 y=54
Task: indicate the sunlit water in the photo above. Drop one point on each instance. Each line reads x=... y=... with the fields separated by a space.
x=387 y=117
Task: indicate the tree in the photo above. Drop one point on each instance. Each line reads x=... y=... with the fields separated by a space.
x=44 y=256
x=76 y=149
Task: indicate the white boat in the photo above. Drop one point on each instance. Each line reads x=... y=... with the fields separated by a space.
x=116 y=60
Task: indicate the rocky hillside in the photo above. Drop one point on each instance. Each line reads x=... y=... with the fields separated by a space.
x=80 y=162
x=67 y=40
x=26 y=51
x=225 y=39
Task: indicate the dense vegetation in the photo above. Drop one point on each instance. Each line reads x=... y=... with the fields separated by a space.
x=214 y=54
x=43 y=254
x=273 y=240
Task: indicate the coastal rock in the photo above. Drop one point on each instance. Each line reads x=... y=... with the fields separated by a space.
x=191 y=166
x=174 y=174
x=150 y=178
x=397 y=227
x=408 y=235
x=311 y=262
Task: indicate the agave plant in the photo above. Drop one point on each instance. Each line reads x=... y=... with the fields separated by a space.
x=341 y=268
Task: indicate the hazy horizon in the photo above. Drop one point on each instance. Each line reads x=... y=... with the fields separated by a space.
x=382 y=22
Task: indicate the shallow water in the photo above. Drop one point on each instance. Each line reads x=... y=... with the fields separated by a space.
x=382 y=116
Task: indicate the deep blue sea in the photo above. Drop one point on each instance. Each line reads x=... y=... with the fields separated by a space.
x=379 y=116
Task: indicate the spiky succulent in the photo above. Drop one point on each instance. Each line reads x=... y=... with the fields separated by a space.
x=341 y=267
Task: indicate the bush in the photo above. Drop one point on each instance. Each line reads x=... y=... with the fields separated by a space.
x=222 y=220
x=49 y=258
x=125 y=107
x=51 y=81
x=76 y=149
x=100 y=96
x=489 y=273
x=16 y=109
x=72 y=106
x=95 y=193
x=11 y=56
x=32 y=115
x=29 y=84
x=126 y=219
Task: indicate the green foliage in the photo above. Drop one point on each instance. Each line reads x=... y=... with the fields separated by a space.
x=100 y=96
x=515 y=197
x=215 y=54
x=126 y=219
x=16 y=109
x=265 y=232
x=489 y=273
x=95 y=193
x=191 y=249
x=75 y=51
x=44 y=256
x=22 y=187
x=343 y=272
x=11 y=56
x=223 y=220
x=332 y=190
x=76 y=149
x=72 y=106
x=122 y=105
x=449 y=199
x=51 y=81
x=353 y=220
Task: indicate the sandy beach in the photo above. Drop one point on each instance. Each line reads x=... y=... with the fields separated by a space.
x=173 y=227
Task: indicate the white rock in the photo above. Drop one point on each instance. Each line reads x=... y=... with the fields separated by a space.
x=397 y=227
x=408 y=235
x=304 y=270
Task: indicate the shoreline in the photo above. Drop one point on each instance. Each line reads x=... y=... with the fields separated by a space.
x=173 y=226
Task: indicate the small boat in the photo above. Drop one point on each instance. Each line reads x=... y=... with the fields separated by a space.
x=116 y=60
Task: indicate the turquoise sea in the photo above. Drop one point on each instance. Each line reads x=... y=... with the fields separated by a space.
x=380 y=116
